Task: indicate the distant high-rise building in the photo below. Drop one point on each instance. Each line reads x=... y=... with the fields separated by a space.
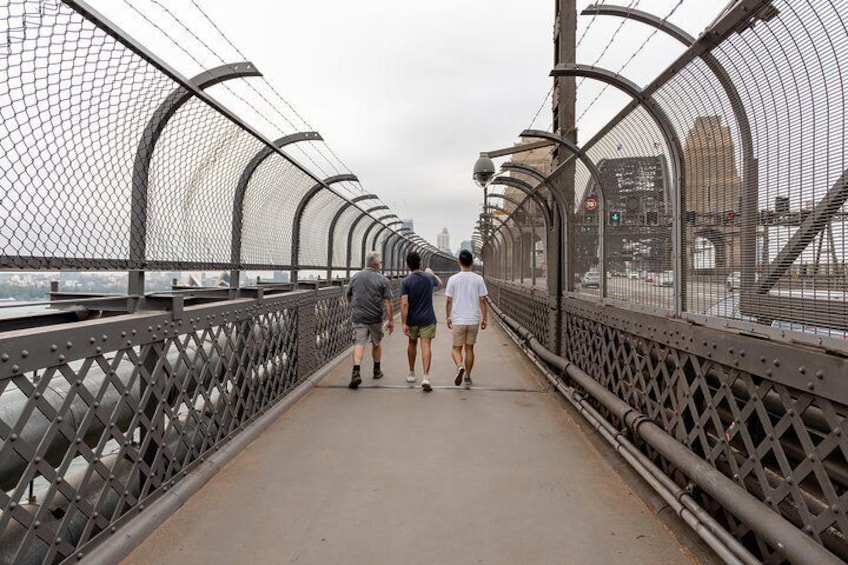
x=443 y=240
x=407 y=223
x=465 y=245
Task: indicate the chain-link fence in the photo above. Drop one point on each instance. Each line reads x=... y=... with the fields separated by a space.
x=111 y=160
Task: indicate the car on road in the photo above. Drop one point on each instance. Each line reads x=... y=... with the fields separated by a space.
x=734 y=281
x=592 y=279
x=728 y=308
x=666 y=278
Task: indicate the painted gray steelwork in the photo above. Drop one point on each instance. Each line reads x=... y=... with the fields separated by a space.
x=331 y=236
x=298 y=216
x=244 y=181
x=528 y=190
x=795 y=544
x=146 y=149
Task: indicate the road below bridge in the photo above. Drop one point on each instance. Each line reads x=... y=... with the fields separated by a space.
x=502 y=473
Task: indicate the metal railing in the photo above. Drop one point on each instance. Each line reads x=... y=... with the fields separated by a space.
x=704 y=292
x=112 y=161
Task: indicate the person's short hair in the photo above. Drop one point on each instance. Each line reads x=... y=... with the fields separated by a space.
x=372 y=259
x=465 y=258
x=413 y=260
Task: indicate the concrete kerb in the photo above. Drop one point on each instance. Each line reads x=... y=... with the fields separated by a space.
x=138 y=529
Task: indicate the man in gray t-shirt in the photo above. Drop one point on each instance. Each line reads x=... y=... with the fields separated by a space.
x=367 y=292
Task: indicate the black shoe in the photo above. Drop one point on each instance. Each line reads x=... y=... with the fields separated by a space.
x=355 y=381
x=460 y=371
x=378 y=375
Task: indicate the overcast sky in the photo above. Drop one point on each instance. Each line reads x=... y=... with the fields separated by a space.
x=406 y=94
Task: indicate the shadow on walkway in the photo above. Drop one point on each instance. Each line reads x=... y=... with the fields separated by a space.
x=388 y=473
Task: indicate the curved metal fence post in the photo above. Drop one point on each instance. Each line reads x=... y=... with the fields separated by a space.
x=332 y=231
x=241 y=191
x=298 y=217
x=750 y=182
x=377 y=222
x=676 y=160
x=578 y=153
x=555 y=247
x=384 y=227
x=365 y=214
x=144 y=155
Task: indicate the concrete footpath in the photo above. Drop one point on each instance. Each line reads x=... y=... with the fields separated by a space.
x=499 y=474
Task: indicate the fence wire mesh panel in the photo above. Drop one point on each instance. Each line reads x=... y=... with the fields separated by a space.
x=357 y=260
x=194 y=171
x=272 y=196
x=316 y=219
x=707 y=253
x=340 y=235
x=100 y=419
x=637 y=212
x=111 y=160
x=72 y=114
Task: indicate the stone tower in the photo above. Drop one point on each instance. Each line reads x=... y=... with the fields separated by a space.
x=713 y=192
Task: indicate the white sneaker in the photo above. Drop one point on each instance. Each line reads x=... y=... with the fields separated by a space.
x=425 y=384
x=410 y=378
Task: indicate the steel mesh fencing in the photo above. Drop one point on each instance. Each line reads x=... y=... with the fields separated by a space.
x=342 y=228
x=721 y=187
x=316 y=219
x=719 y=237
x=111 y=160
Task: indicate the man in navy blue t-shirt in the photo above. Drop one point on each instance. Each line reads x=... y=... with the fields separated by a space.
x=418 y=316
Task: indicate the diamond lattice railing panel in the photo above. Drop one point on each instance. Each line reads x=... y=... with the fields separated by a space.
x=784 y=445
x=85 y=443
x=334 y=333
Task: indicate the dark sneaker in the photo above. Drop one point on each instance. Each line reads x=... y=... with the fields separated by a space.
x=460 y=371
x=355 y=381
x=425 y=384
x=378 y=375
x=467 y=382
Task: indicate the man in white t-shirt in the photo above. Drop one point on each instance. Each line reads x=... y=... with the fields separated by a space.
x=466 y=313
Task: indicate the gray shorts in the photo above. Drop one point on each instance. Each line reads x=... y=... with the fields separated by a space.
x=362 y=333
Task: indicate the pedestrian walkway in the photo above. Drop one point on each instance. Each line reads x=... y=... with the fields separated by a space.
x=499 y=474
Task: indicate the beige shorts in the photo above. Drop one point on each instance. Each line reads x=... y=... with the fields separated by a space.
x=464 y=334
x=363 y=332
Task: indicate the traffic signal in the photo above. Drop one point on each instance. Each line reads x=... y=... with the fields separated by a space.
x=728 y=217
x=651 y=218
x=615 y=217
